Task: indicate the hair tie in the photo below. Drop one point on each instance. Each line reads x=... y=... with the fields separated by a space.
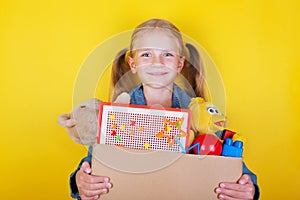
x=127 y=54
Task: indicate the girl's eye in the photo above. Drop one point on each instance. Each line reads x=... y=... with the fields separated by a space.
x=168 y=54
x=146 y=55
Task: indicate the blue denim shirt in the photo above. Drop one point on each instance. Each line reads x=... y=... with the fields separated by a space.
x=180 y=100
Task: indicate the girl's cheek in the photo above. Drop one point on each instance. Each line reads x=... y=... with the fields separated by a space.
x=144 y=61
x=172 y=65
x=143 y=64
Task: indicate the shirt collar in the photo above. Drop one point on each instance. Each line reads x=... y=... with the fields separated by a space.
x=176 y=101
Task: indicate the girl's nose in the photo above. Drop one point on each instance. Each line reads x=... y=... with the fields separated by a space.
x=157 y=59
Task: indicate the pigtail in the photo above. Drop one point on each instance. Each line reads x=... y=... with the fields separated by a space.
x=119 y=66
x=193 y=71
x=122 y=81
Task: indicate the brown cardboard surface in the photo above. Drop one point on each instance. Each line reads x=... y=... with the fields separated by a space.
x=162 y=175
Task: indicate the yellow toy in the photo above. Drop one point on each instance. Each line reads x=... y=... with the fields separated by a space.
x=206 y=118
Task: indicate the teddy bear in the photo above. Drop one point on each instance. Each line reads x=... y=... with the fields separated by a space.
x=82 y=122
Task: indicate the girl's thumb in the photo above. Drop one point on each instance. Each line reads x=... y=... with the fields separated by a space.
x=86 y=167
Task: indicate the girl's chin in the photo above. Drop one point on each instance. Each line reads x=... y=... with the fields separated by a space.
x=155 y=85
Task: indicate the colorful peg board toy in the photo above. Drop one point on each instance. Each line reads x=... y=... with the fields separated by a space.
x=142 y=127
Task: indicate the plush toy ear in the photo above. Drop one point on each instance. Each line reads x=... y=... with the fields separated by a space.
x=69 y=123
x=66 y=121
x=123 y=98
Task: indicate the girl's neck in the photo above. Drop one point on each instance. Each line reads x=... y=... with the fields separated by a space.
x=158 y=96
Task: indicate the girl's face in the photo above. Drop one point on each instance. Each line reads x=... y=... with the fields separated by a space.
x=156 y=58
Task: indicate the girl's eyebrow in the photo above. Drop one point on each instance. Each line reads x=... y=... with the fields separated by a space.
x=168 y=50
x=144 y=49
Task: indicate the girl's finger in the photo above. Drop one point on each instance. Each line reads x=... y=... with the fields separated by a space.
x=232 y=194
x=234 y=186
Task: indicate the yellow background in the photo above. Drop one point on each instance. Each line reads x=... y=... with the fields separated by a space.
x=254 y=43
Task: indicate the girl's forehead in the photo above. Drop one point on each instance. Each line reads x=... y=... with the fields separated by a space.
x=155 y=39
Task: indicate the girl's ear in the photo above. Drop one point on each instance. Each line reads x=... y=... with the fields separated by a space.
x=131 y=63
x=180 y=64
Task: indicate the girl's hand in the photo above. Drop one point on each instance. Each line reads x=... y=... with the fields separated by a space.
x=243 y=189
x=90 y=186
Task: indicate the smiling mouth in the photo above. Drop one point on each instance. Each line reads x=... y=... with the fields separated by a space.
x=157 y=73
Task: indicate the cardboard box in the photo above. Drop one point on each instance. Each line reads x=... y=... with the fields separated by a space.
x=154 y=175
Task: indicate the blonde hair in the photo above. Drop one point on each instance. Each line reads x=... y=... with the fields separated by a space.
x=162 y=25
x=192 y=70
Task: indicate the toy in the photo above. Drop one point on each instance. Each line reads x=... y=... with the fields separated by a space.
x=206 y=121
x=209 y=145
x=206 y=118
x=225 y=133
x=142 y=127
x=232 y=149
x=82 y=122
x=209 y=124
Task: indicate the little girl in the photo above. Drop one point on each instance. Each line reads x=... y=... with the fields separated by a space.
x=157 y=55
